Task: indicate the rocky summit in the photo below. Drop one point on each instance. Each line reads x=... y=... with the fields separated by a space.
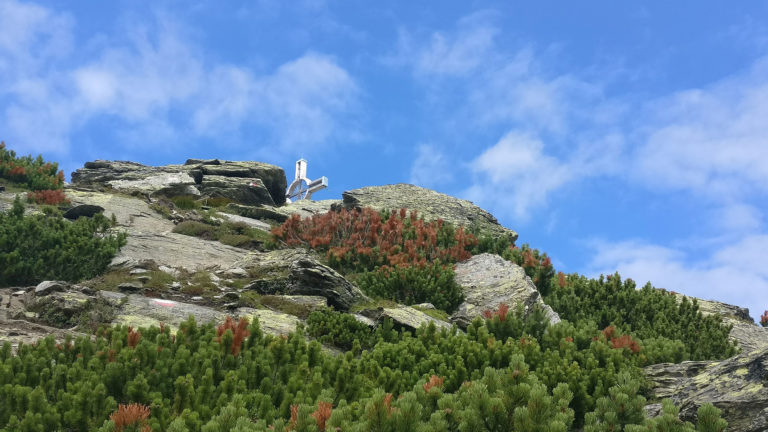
x=428 y=203
x=251 y=183
x=198 y=244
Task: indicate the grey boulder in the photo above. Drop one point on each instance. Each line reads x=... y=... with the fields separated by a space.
x=489 y=280
x=735 y=385
x=295 y=272
x=428 y=203
x=48 y=287
x=83 y=210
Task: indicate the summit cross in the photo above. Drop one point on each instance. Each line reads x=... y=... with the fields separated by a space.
x=302 y=188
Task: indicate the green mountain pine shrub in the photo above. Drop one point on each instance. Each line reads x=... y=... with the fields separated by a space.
x=196 y=380
x=345 y=332
x=47 y=246
x=236 y=234
x=33 y=173
x=648 y=313
x=415 y=284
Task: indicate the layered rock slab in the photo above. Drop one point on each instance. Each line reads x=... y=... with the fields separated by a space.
x=150 y=236
x=403 y=316
x=245 y=182
x=296 y=272
x=139 y=311
x=428 y=203
x=738 y=386
x=489 y=280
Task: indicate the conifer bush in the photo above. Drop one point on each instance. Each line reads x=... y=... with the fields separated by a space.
x=48 y=197
x=432 y=380
x=33 y=173
x=343 y=330
x=648 y=313
x=362 y=240
x=413 y=285
x=47 y=246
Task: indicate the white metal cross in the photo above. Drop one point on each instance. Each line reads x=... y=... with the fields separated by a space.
x=301 y=187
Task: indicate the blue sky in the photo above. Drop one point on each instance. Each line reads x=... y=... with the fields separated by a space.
x=612 y=135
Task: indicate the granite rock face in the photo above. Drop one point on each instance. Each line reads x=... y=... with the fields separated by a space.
x=738 y=386
x=428 y=203
x=150 y=236
x=404 y=317
x=296 y=272
x=489 y=280
x=244 y=182
x=244 y=190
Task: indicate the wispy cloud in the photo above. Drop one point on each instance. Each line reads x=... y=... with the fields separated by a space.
x=156 y=85
x=517 y=174
x=446 y=54
x=431 y=168
x=711 y=141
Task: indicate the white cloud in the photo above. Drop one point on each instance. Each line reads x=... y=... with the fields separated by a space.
x=30 y=35
x=448 y=54
x=519 y=92
x=517 y=174
x=303 y=95
x=158 y=87
x=738 y=218
x=143 y=78
x=735 y=274
x=711 y=141
x=431 y=167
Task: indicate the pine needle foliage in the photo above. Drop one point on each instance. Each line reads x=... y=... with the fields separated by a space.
x=33 y=173
x=648 y=313
x=541 y=377
x=48 y=247
x=413 y=285
x=361 y=240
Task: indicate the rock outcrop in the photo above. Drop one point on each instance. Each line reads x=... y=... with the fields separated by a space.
x=296 y=272
x=150 y=236
x=428 y=203
x=489 y=280
x=404 y=317
x=139 y=311
x=249 y=183
x=738 y=386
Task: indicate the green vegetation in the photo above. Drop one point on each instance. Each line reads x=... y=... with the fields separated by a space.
x=47 y=246
x=32 y=173
x=185 y=202
x=236 y=234
x=205 y=378
x=649 y=313
x=412 y=285
x=347 y=333
x=510 y=370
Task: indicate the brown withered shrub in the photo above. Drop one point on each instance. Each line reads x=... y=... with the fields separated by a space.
x=361 y=240
x=131 y=415
x=239 y=333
